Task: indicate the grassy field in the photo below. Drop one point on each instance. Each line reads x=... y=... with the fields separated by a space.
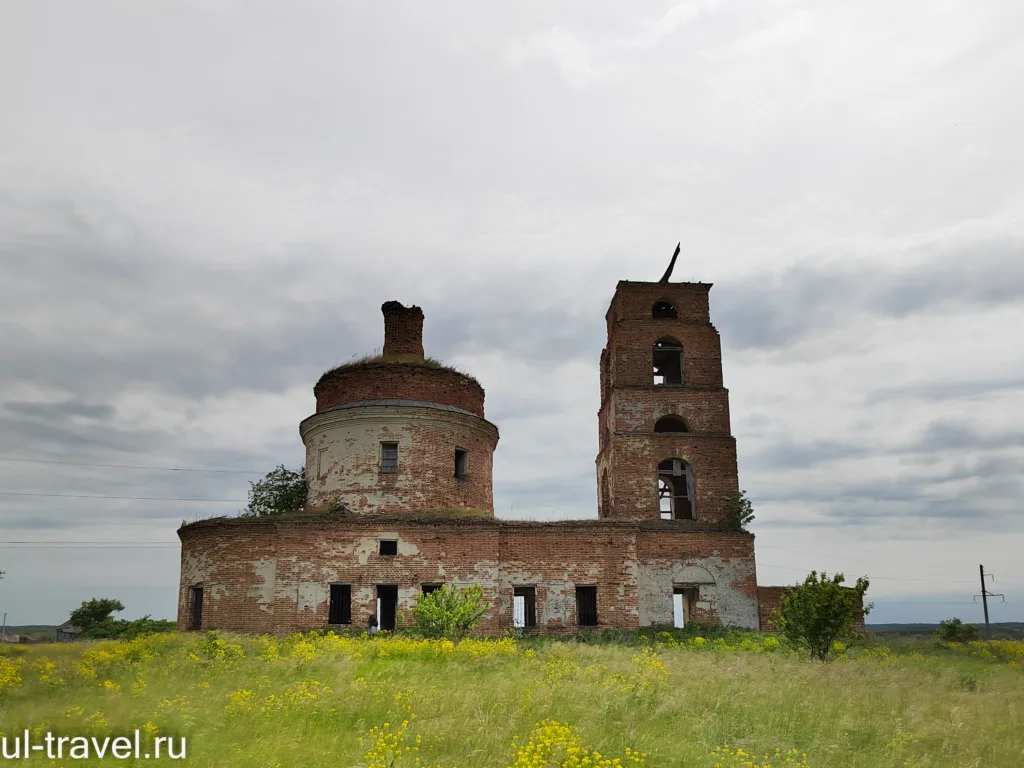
x=392 y=702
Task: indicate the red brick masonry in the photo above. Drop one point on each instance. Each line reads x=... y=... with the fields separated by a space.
x=274 y=575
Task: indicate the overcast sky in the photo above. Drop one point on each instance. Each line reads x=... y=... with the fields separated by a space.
x=204 y=204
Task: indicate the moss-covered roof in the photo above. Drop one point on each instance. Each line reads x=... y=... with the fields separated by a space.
x=410 y=360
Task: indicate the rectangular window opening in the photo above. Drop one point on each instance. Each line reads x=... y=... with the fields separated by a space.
x=387 y=606
x=389 y=547
x=668 y=365
x=389 y=457
x=428 y=588
x=586 y=606
x=524 y=607
x=195 y=608
x=340 y=610
x=461 y=462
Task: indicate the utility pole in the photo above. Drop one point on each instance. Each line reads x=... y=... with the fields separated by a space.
x=985 y=595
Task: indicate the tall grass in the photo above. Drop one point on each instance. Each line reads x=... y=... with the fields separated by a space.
x=389 y=702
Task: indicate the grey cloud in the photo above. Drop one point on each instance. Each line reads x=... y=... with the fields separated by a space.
x=60 y=410
x=774 y=310
x=935 y=391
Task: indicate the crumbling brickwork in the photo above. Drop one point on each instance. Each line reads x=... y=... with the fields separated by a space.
x=274 y=575
x=403 y=329
x=344 y=461
x=632 y=402
x=386 y=381
x=399 y=468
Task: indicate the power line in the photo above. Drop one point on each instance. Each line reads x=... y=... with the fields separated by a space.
x=133 y=466
x=130 y=498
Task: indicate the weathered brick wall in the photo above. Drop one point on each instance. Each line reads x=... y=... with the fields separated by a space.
x=631 y=349
x=768 y=601
x=633 y=463
x=634 y=300
x=629 y=449
x=403 y=329
x=382 y=381
x=308 y=555
x=270 y=575
x=705 y=410
x=236 y=568
x=343 y=459
x=718 y=564
x=556 y=557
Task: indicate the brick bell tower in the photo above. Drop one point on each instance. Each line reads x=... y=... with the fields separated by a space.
x=666 y=448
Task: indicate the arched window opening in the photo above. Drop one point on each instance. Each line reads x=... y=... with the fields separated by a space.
x=668 y=361
x=663 y=310
x=671 y=424
x=675 y=490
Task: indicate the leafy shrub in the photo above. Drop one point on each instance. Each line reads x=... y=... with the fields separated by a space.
x=817 y=615
x=279 y=492
x=449 y=612
x=741 y=509
x=955 y=631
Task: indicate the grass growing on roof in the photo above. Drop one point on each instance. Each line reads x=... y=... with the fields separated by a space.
x=413 y=360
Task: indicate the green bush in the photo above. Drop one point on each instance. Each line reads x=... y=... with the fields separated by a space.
x=818 y=615
x=955 y=631
x=449 y=612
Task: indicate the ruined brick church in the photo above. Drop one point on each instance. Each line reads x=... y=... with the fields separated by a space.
x=398 y=464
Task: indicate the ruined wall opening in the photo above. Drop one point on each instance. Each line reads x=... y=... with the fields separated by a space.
x=671 y=424
x=586 y=606
x=389 y=457
x=664 y=310
x=428 y=588
x=675 y=490
x=461 y=462
x=340 y=607
x=683 y=599
x=524 y=607
x=195 y=607
x=668 y=361
x=388 y=547
x=387 y=606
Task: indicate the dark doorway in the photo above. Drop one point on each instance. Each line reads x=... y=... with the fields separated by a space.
x=341 y=604
x=586 y=606
x=387 y=606
x=195 y=608
x=524 y=607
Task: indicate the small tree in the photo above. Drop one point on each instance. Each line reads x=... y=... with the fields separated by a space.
x=742 y=509
x=820 y=612
x=955 y=631
x=280 y=491
x=449 y=611
x=95 y=617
